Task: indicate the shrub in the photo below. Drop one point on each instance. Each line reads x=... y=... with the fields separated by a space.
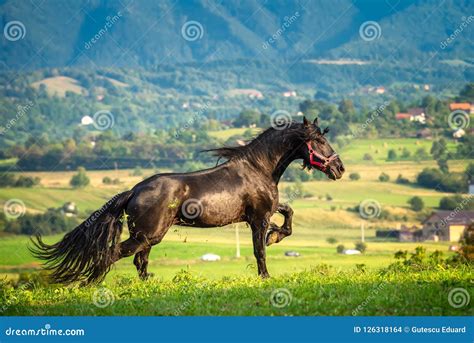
x=367 y=157
x=401 y=180
x=107 y=180
x=7 y=180
x=433 y=178
x=354 y=176
x=80 y=179
x=27 y=181
x=340 y=248
x=416 y=204
x=452 y=202
x=384 y=177
x=392 y=155
x=50 y=222
x=429 y=177
x=361 y=246
x=331 y=240
x=406 y=153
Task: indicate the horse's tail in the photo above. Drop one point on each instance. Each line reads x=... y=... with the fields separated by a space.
x=87 y=252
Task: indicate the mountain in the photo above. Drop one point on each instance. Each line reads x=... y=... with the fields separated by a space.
x=127 y=33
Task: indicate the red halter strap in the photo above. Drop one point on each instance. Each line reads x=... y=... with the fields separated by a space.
x=319 y=165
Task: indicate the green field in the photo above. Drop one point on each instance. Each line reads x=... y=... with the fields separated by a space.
x=230 y=286
x=317 y=291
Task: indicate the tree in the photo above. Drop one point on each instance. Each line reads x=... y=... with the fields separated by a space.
x=438 y=148
x=340 y=248
x=346 y=107
x=467 y=93
x=416 y=204
x=443 y=165
x=421 y=154
x=470 y=173
x=406 y=153
x=392 y=155
x=384 y=177
x=80 y=179
x=247 y=118
x=361 y=246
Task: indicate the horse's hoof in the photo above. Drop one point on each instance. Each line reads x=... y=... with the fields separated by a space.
x=272 y=237
x=265 y=275
x=146 y=276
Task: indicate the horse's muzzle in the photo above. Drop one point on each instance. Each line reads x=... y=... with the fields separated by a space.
x=335 y=170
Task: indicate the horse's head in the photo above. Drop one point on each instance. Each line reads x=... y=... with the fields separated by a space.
x=318 y=153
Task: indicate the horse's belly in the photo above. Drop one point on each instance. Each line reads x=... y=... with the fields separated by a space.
x=213 y=210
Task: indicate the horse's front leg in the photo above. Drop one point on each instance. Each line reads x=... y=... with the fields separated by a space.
x=259 y=229
x=275 y=233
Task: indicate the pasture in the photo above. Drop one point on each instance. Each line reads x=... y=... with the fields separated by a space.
x=320 y=281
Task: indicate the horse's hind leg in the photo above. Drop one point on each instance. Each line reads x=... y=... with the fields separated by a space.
x=275 y=233
x=141 y=262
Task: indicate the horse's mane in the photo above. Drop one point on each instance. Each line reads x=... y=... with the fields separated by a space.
x=264 y=145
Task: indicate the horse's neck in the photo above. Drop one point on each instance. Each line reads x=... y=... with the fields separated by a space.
x=282 y=162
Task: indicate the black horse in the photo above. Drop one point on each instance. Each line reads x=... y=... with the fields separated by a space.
x=242 y=189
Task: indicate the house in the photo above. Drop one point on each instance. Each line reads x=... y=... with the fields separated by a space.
x=416 y=114
x=404 y=234
x=459 y=133
x=380 y=90
x=289 y=94
x=69 y=209
x=447 y=225
x=461 y=106
x=402 y=116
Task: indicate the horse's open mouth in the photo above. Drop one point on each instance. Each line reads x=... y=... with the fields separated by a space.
x=333 y=173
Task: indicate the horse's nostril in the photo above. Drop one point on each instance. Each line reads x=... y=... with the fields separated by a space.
x=341 y=169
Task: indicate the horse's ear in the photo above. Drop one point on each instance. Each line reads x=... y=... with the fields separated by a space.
x=306 y=123
x=315 y=122
x=326 y=130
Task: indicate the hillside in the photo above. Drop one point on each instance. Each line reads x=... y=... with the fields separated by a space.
x=130 y=33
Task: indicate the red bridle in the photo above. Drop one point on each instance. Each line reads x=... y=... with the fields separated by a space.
x=319 y=165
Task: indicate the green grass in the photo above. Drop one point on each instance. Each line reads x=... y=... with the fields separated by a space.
x=317 y=291
x=378 y=148
x=226 y=134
